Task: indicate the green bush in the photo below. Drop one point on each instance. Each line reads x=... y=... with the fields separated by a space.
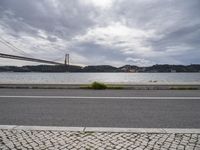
x=99 y=86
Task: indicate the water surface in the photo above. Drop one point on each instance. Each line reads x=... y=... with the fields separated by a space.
x=85 y=78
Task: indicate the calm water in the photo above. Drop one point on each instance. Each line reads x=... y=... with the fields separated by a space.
x=84 y=78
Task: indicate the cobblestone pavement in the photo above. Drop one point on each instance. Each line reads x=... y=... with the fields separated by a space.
x=65 y=140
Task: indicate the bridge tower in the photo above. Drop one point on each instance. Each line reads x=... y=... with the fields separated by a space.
x=67 y=59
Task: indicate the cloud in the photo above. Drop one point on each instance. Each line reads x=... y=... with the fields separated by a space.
x=114 y=32
x=104 y=4
x=139 y=62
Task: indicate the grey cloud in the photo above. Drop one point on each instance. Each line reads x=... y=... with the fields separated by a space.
x=157 y=13
x=52 y=39
x=175 y=26
x=189 y=35
x=98 y=54
x=62 y=18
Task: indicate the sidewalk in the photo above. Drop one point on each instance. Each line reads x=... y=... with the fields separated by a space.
x=106 y=138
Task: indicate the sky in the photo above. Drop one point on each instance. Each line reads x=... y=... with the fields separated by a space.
x=101 y=32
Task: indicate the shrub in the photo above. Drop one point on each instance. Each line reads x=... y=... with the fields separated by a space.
x=99 y=86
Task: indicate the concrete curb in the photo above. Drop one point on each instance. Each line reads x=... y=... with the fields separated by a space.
x=103 y=129
x=152 y=86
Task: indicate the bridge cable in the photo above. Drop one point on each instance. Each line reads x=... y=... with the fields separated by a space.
x=14 y=48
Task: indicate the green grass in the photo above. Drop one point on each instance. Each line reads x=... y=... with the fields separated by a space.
x=115 y=87
x=98 y=86
x=101 y=86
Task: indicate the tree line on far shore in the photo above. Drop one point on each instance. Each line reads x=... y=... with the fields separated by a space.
x=102 y=68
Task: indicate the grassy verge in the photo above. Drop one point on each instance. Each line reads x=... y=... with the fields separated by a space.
x=101 y=86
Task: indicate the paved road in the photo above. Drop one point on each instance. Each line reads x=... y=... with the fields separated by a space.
x=156 y=109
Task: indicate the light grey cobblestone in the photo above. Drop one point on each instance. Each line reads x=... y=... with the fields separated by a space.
x=61 y=140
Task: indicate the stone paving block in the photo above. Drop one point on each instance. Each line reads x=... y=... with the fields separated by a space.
x=33 y=139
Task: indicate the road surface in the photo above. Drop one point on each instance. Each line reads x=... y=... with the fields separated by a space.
x=106 y=108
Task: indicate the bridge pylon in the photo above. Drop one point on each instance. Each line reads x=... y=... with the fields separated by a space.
x=67 y=59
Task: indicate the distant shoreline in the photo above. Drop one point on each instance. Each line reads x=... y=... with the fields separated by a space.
x=194 y=68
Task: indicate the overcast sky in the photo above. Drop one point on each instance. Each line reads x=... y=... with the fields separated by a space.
x=95 y=32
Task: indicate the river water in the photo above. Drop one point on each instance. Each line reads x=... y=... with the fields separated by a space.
x=85 y=78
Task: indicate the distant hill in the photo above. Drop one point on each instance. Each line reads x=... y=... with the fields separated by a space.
x=128 y=68
x=102 y=68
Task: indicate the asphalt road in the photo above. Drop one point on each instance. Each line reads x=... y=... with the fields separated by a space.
x=106 y=108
